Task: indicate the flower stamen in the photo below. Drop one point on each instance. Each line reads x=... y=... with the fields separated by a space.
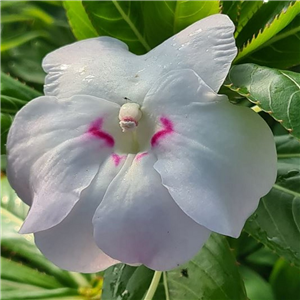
x=129 y=116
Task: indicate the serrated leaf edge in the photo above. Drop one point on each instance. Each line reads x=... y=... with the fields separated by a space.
x=261 y=32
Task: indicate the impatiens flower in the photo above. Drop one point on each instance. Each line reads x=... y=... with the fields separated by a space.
x=136 y=158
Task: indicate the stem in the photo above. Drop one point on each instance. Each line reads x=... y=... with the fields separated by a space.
x=153 y=286
x=166 y=286
x=256 y=108
x=79 y=279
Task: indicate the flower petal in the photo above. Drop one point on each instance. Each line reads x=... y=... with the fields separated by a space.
x=215 y=158
x=103 y=67
x=70 y=244
x=207 y=47
x=54 y=152
x=139 y=222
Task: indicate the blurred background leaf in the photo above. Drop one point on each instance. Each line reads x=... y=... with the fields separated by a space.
x=25 y=272
x=265 y=264
x=30 y=30
x=285 y=281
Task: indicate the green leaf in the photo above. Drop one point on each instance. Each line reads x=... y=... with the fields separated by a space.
x=14 y=18
x=14 y=95
x=232 y=9
x=13 y=211
x=8 y=285
x=257 y=288
x=165 y=18
x=263 y=257
x=270 y=30
x=11 y=105
x=6 y=121
x=38 y=294
x=122 y=20
x=248 y=9
x=188 y=12
x=282 y=51
x=123 y=281
x=16 y=90
x=256 y=16
x=11 y=202
x=285 y=280
x=78 y=19
x=212 y=274
x=276 y=222
x=22 y=39
x=38 y=14
x=20 y=273
x=275 y=91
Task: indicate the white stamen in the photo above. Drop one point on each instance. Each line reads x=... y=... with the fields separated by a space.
x=129 y=116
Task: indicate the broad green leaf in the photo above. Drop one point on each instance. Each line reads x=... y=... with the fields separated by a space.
x=188 y=12
x=276 y=222
x=274 y=91
x=6 y=121
x=122 y=20
x=165 y=18
x=212 y=274
x=159 y=21
x=271 y=29
x=285 y=280
x=18 y=272
x=22 y=39
x=78 y=19
x=282 y=51
x=232 y=9
x=257 y=288
x=125 y=282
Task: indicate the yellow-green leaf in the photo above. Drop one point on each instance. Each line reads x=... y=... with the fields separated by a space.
x=280 y=22
x=79 y=21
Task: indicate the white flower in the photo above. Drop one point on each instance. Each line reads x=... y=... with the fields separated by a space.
x=137 y=155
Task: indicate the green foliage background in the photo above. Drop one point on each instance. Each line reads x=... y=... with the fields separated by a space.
x=263 y=264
